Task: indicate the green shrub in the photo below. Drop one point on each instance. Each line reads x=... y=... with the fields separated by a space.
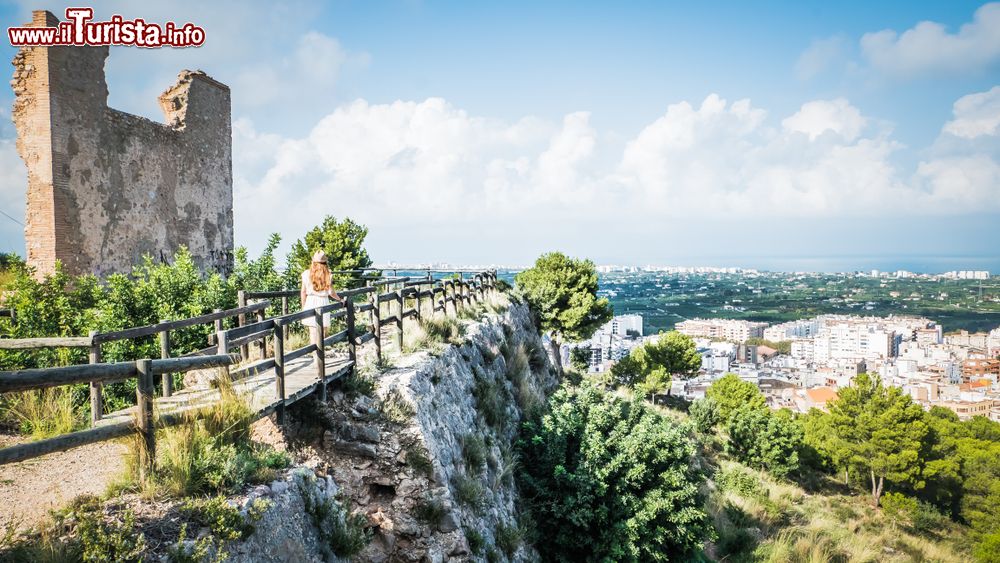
x=765 y=440
x=508 y=538
x=610 y=479
x=705 y=414
x=740 y=481
x=490 y=401
x=474 y=452
x=429 y=511
x=80 y=532
x=538 y=360
x=357 y=384
x=417 y=458
x=475 y=539
x=395 y=408
x=469 y=491
x=340 y=531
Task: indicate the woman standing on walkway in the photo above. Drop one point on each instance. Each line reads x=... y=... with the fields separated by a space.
x=316 y=291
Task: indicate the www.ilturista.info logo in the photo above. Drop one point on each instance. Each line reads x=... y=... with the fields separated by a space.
x=78 y=30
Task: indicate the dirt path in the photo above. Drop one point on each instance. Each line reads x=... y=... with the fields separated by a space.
x=28 y=490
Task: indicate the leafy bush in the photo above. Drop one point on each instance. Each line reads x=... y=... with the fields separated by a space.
x=765 y=440
x=475 y=539
x=469 y=491
x=705 y=414
x=474 y=452
x=508 y=538
x=395 y=408
x=731 y=393
x=80 y=532
x=610 y=479
x=429 y=511
x=491 y=400
x=417 y=458
x=741 y=482
x=340 y=531
x=356 y=384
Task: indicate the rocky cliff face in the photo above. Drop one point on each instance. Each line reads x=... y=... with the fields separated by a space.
x=426 y=456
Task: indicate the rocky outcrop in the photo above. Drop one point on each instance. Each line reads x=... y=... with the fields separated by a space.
x=427 y=456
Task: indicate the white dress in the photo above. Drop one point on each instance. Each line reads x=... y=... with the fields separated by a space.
x=314 y=299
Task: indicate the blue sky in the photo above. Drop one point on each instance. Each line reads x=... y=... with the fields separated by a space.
x=641 y=132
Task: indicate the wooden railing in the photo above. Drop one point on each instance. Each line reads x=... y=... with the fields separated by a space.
x=390 y=291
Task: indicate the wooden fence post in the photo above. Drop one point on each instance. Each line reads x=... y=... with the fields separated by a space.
x=168 y=378
x=218 y=327
x=376 y=325
x=284 y=311
x=351 y=333
x=399 y=319
x=144 y=419
x=222 y=337
x=320 y=355
x=279 y=371
x=96 y=396
x=262 y=343
x=241 y=319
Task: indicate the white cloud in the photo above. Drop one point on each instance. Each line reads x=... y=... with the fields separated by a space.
x=976 y=114
x=821 y=55
x=929 y=47
x=397 y=166
x=820 y=116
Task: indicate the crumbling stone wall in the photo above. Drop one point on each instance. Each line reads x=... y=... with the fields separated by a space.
x=106 y=187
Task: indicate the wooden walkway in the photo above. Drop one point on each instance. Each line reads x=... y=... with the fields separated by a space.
x=301 y=379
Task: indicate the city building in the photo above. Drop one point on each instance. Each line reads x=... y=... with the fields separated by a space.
x=723 y=329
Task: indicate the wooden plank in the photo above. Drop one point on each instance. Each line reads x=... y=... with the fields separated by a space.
x=410 y=313
x=303 y=351
x=184 y=364
x=363 y=308
x=366 y=337
x=30 y=450
x=254 y=369
x=390 y=320
x=22 y=380
x=335 y=338
x=239 y=332
x=242 y=343
x=141 y=331
x=54 y=342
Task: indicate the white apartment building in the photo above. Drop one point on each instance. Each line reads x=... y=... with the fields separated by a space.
x=851 y=341
x=804 y=328
x=625 y=325
x=725 y=329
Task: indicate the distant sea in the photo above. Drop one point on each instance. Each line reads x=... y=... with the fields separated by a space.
x=833 y=264
x=917 y=264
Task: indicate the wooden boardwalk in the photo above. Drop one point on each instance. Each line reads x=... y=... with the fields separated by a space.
x=301 y=379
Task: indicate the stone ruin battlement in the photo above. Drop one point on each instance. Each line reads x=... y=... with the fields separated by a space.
x=106 y=187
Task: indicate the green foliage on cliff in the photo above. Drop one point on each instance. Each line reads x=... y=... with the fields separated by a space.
x=562 y=291
x=610 y=480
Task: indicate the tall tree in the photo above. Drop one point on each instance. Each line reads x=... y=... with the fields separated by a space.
x=563 y=292
x=731 y=393
x=649 y=368
x=765 y=440
x=884 y=431
x=343 y=242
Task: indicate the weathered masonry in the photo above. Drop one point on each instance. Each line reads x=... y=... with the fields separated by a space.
x=106 y=187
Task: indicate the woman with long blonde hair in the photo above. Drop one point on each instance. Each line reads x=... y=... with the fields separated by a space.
x=316 y=291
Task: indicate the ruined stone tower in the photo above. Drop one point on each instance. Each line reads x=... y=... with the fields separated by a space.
x=106 y=187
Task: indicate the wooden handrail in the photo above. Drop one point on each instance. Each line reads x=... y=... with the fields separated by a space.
x=96 y=373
